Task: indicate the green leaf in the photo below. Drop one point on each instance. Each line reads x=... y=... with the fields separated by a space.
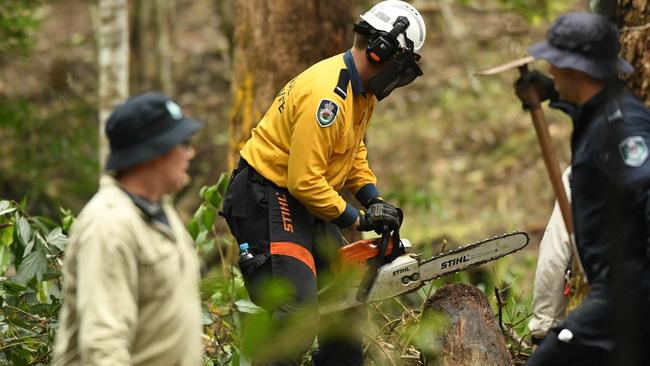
x=198 y=215
x=7 y=235
x=28 y=248
x=193 y=228
x=57 y=238
x=202 y=191
x=31 y=297
x=13 y=288
x=7 y=211
x=208 y=218
x=200 y=237
x=24 y=231
x=68 y=219
x=40 y=239
x=206 y=316
x=5 y=208
x=208 y=193
x=53 y=291
x=222 y=183
x=248 y=307
x=51 y=274
x=34 y=265
x=5 y=258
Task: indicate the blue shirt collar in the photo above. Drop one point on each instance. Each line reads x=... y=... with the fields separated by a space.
x=355 y=79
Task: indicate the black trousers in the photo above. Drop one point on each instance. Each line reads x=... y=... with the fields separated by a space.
x=610 y=328
x=291 y=248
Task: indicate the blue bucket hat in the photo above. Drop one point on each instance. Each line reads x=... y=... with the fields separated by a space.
x=585 y=42
x=144 y=127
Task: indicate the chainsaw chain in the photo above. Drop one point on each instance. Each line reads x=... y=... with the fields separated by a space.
x=472 y=246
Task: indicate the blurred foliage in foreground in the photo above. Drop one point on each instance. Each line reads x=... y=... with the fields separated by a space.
x=31 y=252
x=396 y=332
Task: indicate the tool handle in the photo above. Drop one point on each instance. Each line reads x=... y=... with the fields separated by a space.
x=552 y=166
x=548 y=154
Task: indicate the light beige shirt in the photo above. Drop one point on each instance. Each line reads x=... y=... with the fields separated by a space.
x=549 y=302
x=130 y=288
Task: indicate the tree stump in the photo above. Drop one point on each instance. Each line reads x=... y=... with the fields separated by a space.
x=473 y=337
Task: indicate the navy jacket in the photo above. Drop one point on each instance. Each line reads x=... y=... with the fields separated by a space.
x=611 y=187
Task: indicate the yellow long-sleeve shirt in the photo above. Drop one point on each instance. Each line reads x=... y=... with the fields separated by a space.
x=310 y=141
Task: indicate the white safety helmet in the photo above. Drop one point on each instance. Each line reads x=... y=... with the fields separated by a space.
x=383 y=15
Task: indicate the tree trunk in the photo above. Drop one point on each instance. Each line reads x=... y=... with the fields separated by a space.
x=163 y=15
x=635 y=19
x=274 y=41
x=473 y=337
x=113 y=43
x=151 y=47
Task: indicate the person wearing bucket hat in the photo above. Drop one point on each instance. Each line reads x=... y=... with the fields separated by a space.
x=131 y=274
x=285 y=197
x=610 y=193
x=144 y=127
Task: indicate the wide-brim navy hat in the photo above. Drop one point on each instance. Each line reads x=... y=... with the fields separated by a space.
x=585 y=42
x=145 y=127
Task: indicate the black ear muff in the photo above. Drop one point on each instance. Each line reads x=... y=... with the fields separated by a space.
x=381 y=48
x=383 y=45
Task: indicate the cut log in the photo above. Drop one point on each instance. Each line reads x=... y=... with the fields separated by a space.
x=473 y=337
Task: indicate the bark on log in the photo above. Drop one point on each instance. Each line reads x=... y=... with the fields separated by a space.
x=473 y=337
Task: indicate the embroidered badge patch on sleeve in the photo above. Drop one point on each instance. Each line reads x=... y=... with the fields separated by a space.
x=634 y=151
x=326 y=112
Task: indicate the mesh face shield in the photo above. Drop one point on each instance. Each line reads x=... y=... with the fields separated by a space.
x=401 y=70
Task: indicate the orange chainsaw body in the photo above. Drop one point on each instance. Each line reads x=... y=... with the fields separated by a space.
x=359 y=252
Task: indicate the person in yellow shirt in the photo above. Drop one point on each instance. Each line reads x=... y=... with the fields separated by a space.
x=284 y=197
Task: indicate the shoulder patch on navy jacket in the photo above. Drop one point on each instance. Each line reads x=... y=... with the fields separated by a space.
x=342 y=85
x=326 y=112
x=634 y=151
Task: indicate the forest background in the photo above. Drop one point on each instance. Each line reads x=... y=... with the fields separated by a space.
x=457 y=153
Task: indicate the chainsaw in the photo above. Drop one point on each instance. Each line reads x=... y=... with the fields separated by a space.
x=390 y=268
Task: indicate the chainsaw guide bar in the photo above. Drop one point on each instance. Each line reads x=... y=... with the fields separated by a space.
x=407 y=273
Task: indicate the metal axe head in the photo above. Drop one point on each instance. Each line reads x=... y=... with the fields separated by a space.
x=505 y=67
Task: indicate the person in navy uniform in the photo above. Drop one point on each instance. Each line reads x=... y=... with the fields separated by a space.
x=610 y=185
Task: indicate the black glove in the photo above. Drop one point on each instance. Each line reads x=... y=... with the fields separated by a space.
x=400 y=213
x=380 y=216
x=542 y=84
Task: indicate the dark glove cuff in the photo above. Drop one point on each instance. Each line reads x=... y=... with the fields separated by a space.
x=347 y=218
x=366 y=194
